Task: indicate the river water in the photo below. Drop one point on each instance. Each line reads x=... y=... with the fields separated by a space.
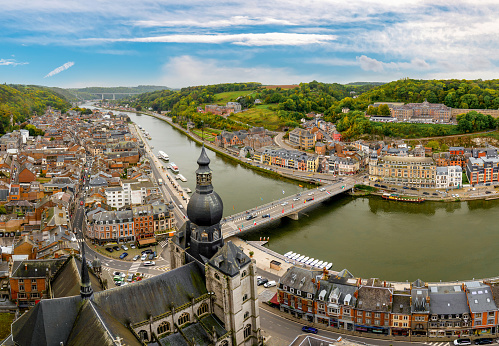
x=369 y=236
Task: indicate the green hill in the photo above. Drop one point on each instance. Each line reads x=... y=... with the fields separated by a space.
x=20 y=101
x=90 y=92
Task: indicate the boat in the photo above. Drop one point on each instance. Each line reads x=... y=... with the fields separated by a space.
x=173 y=167
x=329 y=265
x=310 y=261
x=318 y=264
x=163 y=155
x=181 y=178
x=186 y=189
x=152 y=147
x=305 y=260
x=398 y=198
x=140 y=127
x=287 y=253
x=299 y=259
x=314 y=263
x=295 y=257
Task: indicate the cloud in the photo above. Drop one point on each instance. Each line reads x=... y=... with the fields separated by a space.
x=265 y=39
x=370 y=64
x=186 y=70
x=60 y=69
x=11 y=62
x=220 y=23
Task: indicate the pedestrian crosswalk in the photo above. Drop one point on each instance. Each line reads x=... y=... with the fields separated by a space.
x=144 y=275
x=134 y=267
x=438 y=343
x=163 y=243
x=163 y=268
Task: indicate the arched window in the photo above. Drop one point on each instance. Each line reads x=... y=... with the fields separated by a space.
x=143 y=335
x=246 y=315
x=217 y=276
x=244 y=274
x=163 y=328
x=202 y=309
x=245 y=297
x=247 y=330
x=184 y=318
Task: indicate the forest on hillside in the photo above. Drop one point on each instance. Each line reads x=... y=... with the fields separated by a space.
x=20 y=101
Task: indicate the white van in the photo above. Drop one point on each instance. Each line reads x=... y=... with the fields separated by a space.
x=269 y=284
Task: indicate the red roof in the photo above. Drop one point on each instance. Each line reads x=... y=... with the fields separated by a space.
x=274 y=300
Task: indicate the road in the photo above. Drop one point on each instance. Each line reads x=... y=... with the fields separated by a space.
x=284 y=331
x=279 y=140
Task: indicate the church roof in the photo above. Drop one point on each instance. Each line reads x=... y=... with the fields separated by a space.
x=67 y=281
x=104 y=328
x=203 y=159
x=229 y=259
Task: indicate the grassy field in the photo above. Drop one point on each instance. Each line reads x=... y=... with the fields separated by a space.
x=6 y=320
x=209 y=134
x=260 y=116
x=223 y=98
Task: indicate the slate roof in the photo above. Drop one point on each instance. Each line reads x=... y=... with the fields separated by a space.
x=448 y=300
x=153 y=296
x=36 y=268
x=229 y=259
x=401 y=304
x=480 y=297
x=67 y=281
x=374 y=298
x=44 y=324
x=300 y=278
x=104 y=328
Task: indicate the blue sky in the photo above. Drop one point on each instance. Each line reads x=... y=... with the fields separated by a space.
x=74 y=43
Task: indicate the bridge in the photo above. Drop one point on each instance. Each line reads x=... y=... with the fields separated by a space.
x=114 y=94
x=289 y=206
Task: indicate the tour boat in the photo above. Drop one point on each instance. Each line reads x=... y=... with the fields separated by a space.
x=310 y=261
x=318 y=264
x=398 y=198
x=314 y=262
x=163 y=155
x=173 y=167
x=295 y=257
x=299 y=259
x=181 y=178
x=305 y=260
x=329 y=265
x=186 y=189
x=287 y=253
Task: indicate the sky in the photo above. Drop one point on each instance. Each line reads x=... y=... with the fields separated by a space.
x=179 y=43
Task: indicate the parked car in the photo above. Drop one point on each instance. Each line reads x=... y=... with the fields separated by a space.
x=376 y=185
x=180 y=206
x=269 y=284
x=435 y=194
x=129 y=278
x=151 y=257
x=250 y=217
x=405 y=187
x=132 y=246
x=425 y=193
x=265 y=216
x=118 y=283
x=413 y=188
x=484 y=341
x=261 y=281
x=120 y=274
x=462 y=342
x=109 y=249
x=284 y=203
x=308 y=329
x=81 y=202
x=149 y=263
x=147 y=251
x=117 y=278
x=124 y=247
x=116 y=248
x=143 y=257
x=136 y=257
x=487 y=192
x=123 y=255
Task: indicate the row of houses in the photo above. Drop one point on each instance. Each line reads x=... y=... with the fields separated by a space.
x=420 y=309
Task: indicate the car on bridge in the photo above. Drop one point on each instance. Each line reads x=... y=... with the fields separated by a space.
x=265 y=216
x=250 y=217
x=284 y=203
x=322 y=189
x=296 y=199
x=309 y=199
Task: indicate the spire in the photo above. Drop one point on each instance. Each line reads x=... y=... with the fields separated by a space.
x=86 y=291
x=203 y=159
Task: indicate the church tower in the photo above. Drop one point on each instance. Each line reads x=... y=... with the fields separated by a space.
x=201 y=236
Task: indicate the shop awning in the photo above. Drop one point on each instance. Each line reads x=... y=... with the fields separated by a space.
x=147 y=241
x=274 y=300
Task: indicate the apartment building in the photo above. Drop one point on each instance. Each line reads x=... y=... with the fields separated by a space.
x=448 y=177
x=408 y=171
x=302 y=139
x=483 y=309
x=111 y=226
x=483 y=170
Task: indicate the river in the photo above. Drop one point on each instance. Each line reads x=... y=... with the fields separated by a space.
x=369 y=236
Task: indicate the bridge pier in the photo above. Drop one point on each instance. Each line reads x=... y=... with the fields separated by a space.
x=293 y=216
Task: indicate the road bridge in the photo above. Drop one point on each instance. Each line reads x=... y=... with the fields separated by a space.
x=114 y=94
x=290 y=207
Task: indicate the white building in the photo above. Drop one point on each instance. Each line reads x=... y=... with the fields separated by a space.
x=115 y=197
x=449 y=177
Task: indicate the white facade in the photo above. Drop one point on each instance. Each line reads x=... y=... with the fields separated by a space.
x=449 y=177
x=115 y=197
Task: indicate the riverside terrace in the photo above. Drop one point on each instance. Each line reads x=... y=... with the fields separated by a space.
x=285 y=207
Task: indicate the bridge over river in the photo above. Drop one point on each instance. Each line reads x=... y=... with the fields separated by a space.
x=290 y=207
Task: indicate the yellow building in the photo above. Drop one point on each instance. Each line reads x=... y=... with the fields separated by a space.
x=409 y=171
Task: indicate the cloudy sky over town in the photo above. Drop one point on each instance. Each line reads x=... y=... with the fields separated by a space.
x=73 y=43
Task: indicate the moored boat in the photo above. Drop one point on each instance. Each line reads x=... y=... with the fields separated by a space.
x=163 y=155
x=173 y=167
x=181 y=178
x=398 y=198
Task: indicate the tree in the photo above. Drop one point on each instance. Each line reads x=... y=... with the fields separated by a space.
x=384 y=110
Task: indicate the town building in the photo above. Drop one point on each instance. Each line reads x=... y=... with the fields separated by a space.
x=409 y=171
x=111 y=226
x=420 y=308
x=482 y=170
x=484 y=314
x=422 y=112
x=301 y=139
x=373 y=309
x=448 y=177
